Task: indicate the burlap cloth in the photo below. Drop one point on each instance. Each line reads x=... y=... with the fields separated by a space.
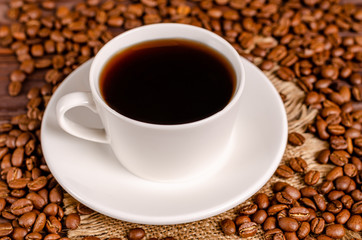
x=299 y=116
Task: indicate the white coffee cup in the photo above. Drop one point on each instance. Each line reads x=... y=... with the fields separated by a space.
x=157 y=152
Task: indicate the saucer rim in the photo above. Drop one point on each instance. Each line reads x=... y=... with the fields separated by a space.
x=189 y=217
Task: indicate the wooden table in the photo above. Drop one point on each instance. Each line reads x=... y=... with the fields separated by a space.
x=12 y=106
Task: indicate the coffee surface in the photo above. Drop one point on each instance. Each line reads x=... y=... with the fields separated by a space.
x=171 y=81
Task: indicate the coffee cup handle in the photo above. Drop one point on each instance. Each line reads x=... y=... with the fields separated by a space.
x=78 y=99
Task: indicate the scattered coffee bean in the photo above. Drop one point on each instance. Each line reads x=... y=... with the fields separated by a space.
x=247 y=229
x=296 y=139
x=288 y=224
x=228 y=227
x=136 y=234
x=284 y=171
x=298 y=164
x=335 y=231
x=72 y=221
x=261 y=200
x=241 y=219
x=259 y=216
x=248 y=209
x=311 y=177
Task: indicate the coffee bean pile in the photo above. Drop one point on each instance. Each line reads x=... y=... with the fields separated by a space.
x=311 y=52
x=302 y=41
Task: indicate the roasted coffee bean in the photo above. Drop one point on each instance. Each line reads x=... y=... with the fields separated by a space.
x=261 y=200
x=241 y=219
x=354 y=223
x=83 y=210
x=21 y=206
x=342 y=183
x=343 y=216
x=317 y=225
x=14 y=88
x=303 y=230
x=298 y=164
x=347 y=201
x=5 y=229
x=248 y=209
x=322 y=128
x=17 y=76
x=19 y=233
x=247 y=229
x=228 y=227
x=288 y=224
x=356 y=195
x=279 y=186
x=357 y=208
x=287 y=74
x=269 y=223
x=36 y=199
x=259 y=216
x=299 y=213
x=283 y=213
x=308 y=192
x=38 y=183
x=290 y=235
x=274 y=209
x=293 y=192
x=328 y=217
x=136 y=234
x=320 y=202
x=338 y=142
x=334 y=173
x=326 y=187
x=27 y=220
x=350 y=170
x=72 y=221
x=284 y=198
x=53 y=225
x=308 y=203
x=339 y=158
x=335 y=231
x=274 y=233
x=266 y=65
x=56 y=195
x=335 y=194
x=39 y=223
x=334 y=207
x=312 y=177
x=284 y=171
x=51 y=209
x=296 y=139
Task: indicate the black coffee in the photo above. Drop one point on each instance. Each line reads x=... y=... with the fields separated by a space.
x=171 y=81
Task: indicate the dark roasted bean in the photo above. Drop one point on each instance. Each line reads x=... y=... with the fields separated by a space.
x=317 y=225
x=335 y=231
x=259 y=216
x=241 y=219
x=298 y=164
x=299 y=213
x=296 y=139
x=247 y=229
x=288 y=224
x=284 y=171
x=227 y=226
x=311 y=177
x=261 y=200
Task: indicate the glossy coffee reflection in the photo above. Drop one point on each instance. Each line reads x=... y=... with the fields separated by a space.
x=168 y=81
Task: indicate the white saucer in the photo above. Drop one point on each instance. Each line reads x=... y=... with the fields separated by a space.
x=90 y=172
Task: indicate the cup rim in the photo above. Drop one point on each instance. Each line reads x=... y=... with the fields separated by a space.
x=235 y=98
